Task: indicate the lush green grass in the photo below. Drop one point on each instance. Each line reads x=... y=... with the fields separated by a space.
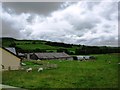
x=28 y=45
x=35 y=46
x=48 y=48
x=69 y=74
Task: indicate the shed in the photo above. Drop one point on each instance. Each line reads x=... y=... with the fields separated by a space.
x=49 y=56
x=10 y=61
x=83 y=57
x=21 y=55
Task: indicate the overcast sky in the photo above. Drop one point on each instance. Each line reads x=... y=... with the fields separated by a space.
x=86 y=23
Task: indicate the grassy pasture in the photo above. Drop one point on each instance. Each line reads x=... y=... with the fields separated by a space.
x=28 y=45
x=69 y=74
x=34 y=46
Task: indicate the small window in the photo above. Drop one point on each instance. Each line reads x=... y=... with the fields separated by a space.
x=3 y=67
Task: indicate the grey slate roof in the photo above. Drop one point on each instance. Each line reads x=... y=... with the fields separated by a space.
x=11 y=49
x=52 y=55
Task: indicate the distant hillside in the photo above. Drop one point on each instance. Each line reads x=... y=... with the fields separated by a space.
x=8 y=38
x=47 y=46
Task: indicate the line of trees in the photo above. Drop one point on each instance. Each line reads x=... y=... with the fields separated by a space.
x=97 y=50
x=63 y=47
x=84 y=50
x=59 y=44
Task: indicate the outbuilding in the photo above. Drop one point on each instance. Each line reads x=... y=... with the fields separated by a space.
x=49 y=56
x=83 y=58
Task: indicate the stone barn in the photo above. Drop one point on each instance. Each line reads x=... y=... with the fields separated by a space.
x=10 y=61
x=50 y=56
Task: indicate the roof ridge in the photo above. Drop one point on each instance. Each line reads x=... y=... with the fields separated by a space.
x=10 y=52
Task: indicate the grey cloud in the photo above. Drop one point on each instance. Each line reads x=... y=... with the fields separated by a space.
x=88 y=24
x=92 y=4
x=9 y=31
x=48 y=21
x=112 y=9
x=110 y=42
x=100 y=41
x=43 y=8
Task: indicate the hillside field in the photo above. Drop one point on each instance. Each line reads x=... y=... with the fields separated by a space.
x=68 y=74
x=30 y=46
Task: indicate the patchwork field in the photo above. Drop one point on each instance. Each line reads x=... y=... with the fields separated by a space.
x=69 y=74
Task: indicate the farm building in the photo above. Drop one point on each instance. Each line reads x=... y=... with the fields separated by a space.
x=21 y=55
x=83 y=57
x=10 y=61
x=49 y=56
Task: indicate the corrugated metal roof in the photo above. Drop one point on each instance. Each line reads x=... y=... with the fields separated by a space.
x=21 y=54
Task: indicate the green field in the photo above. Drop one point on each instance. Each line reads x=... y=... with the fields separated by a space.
x=68 y=74
x=36 y=46
x=25 y=46
x=31 y=45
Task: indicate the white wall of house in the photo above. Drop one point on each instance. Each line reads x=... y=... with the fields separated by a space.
x=9 y=61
